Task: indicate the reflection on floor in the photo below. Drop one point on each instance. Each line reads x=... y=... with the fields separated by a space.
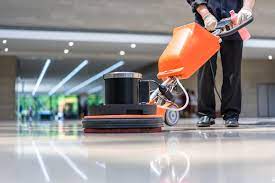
x=60 y=152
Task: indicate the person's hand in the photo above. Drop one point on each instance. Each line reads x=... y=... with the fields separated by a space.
x=210 y=22
x=243 y=15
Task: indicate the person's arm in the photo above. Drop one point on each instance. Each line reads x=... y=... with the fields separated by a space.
x=202 y=10
x=199 y=6
x=210 y=22
x=196 y=3
x=249 y=4
x=247 y=11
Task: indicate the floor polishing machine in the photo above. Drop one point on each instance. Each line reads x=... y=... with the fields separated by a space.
x=130 y=105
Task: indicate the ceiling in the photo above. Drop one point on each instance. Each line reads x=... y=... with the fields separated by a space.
x=32 y=56
x=142 y=17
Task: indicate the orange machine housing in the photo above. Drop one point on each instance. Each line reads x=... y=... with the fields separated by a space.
x=190 y=48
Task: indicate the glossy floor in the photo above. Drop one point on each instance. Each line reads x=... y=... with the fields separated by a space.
x=60 y=152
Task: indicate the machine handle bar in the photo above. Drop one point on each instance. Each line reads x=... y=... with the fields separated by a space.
x=235 y=29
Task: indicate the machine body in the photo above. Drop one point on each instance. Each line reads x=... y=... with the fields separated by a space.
x=131 y=106
x=126 y=107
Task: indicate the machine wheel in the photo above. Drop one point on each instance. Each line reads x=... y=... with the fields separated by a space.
x=171 y=117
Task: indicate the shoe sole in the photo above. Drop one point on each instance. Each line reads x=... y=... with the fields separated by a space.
x=208 y=125
x=232 y=126
x=203 y=125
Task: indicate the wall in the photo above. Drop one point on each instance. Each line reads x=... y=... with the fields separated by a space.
x=8 y=67
x=253 y=72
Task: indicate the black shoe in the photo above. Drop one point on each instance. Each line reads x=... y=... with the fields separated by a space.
x=205 y=121
x=212 y=122
x=231 y=122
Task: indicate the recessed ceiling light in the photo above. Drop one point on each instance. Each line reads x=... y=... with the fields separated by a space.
x=71 y=43
x=66 y=51
x=122 y=52
x=4 y=41
x=68 y=77
x=133 y=45
x=270 y=57
x=41 y=76
x=6 y=49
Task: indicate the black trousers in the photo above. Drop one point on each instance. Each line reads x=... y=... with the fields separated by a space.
x=231 y=56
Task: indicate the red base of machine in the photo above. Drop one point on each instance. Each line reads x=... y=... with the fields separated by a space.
x=127 y=130
x=122 y=124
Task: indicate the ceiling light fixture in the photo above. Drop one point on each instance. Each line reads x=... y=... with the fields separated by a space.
x=68 y=77
x=95 y=77
x=85 y=36
x=46 y=65
x=260 y=43
x=133 y=45
x=66 y=51
x=109 y=37
x=71 y=43
x=122 y=53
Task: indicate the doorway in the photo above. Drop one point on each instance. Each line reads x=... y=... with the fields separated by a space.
x=266 y=100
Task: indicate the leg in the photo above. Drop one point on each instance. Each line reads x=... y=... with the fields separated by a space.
x=206 y=96
x=231 y=55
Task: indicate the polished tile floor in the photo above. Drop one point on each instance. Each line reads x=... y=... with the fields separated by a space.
x=60 y=152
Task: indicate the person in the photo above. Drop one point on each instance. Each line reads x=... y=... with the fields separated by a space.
x=193 y=103
x=208 y=13
x=30 y=114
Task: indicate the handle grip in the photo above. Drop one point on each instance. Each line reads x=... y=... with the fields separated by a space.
x=236 y=28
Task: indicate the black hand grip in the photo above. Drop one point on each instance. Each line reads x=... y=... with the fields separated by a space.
x=165 y=92
x=236 y=29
